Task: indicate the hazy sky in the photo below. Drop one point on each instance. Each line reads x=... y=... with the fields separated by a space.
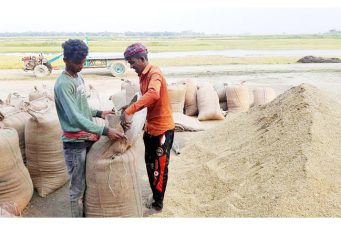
x=208 y=16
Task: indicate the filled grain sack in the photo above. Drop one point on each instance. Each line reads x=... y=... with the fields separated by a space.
x=94 y=102
x=118 y=100
x=238 y=98
x=186 y=123
x=11 y=105
x=191 y=106
x=16 y=187
x=15 y=117
x=137 y=122
x=208 y=103
x=131 y=88
x=263 y=95
x=18 y=122
x=112 y=182
x=15 y=100
x=176 y=95
x=44 y=153
x=43 y=92
x=40 y=104
x=220 y=88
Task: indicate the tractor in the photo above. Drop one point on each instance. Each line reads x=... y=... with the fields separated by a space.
x=40 y=65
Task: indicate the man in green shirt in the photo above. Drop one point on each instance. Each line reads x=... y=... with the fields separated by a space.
x=75 y=117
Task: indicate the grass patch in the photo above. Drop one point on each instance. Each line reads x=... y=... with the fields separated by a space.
x=164 y=44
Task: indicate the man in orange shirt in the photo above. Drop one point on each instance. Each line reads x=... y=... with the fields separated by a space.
x=159 y=127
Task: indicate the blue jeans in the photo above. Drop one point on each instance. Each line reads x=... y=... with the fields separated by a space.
x=75 y=161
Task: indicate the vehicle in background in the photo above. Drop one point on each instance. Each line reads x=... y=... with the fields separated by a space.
x=42 y=67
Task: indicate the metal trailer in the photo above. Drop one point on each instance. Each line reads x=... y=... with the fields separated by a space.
x=116 y=66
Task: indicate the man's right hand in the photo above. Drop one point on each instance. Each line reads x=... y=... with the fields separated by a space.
x=113 y=134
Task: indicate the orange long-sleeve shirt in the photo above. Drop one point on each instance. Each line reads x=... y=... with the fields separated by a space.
x=153 y=87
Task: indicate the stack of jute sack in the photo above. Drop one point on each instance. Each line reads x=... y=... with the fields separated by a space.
x=205 y=100
x=30 y=128
x=211 y=102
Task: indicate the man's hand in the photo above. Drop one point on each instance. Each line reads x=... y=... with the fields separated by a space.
x=105 y=113
x=113 y=134
x=126 y=124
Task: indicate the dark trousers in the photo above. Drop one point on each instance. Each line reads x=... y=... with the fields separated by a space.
x=157 y=152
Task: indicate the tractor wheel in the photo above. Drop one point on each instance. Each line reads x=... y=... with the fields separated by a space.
x=41 y=71
x=49 y=66
x=117 y=69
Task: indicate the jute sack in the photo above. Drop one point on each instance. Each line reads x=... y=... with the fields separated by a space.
x=131 y=89
x=94 y=102
x=15 y=117
x=208 y=103
x=40 y=104
x=191 y=106
x=186 y=123
x=18 y=121
x=118 y=100
x=41 y=93
x=220 y=88
x=263 y=95
x=176 y=94
x=35 y=94
x=16 y=187
x=112 y=183
x=44 y=152
x=238 y=98
x=15 y=100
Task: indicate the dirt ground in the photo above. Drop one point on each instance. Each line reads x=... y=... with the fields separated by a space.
x=326 y=77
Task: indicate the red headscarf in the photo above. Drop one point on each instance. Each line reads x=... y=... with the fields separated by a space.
x=136 y=48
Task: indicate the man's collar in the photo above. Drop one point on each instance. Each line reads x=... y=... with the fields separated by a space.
x=146 y=70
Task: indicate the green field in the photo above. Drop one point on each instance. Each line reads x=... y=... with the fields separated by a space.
x=118 y=44
x=52 y=45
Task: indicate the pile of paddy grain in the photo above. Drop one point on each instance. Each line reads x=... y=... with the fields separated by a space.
x=278 y=160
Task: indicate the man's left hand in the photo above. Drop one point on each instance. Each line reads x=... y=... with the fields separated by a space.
x=126 y=124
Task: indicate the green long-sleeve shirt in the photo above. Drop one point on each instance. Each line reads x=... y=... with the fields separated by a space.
x=72 y=107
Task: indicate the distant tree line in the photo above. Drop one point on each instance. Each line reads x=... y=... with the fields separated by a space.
x=100 y=34
x=333 y=32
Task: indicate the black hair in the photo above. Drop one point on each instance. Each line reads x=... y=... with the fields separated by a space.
x=75 y=50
